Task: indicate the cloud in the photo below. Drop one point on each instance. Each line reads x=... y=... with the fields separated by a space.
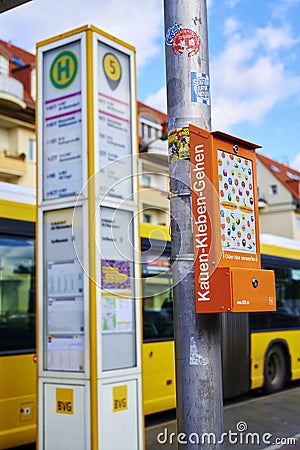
x=273 y=38
x=283 y=7
x=232 y=3
x=138 y=23
x=231 y=25
x=249 y=76
x=158 y=100
x=295 y=164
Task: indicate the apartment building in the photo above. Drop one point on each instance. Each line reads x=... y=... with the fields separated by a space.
x=17 y=115
x=153 y=165
x=278 y=198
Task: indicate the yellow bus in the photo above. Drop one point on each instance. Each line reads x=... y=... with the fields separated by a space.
x=259 y=350
x=17 y=316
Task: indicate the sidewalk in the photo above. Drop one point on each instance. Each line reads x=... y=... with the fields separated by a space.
x=266 y=423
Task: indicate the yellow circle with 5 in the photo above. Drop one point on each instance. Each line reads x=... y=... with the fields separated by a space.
x=112 y=67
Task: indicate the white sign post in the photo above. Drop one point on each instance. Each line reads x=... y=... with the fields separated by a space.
x=89 y=343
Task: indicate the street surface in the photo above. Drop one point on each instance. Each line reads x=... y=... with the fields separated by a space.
x=269 y=422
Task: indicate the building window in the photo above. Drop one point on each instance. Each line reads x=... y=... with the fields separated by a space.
x=3 y=65
x=274 y=189
x=146 y=218
x=32 y=151
x=145 y=180
x=150 y=130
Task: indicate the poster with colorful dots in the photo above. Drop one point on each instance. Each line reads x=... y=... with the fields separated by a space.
x=237 y=214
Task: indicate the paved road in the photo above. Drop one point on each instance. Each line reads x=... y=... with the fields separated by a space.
x=271 y=420
x=268 y=422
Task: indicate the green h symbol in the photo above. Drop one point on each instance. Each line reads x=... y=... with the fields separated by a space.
x=63 y=68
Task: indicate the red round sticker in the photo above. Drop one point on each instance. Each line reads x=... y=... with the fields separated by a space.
x=186 y=40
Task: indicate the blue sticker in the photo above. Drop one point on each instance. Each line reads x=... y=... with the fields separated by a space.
x=200 y=89
x=171 y=33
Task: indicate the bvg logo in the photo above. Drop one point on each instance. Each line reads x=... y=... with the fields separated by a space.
x=64 y=401
x=120 y=403
x=64 y=407
x=63 y=70
x=120 y=398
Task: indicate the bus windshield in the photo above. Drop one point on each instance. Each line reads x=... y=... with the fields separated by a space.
x=17 y=294
x=157 y=291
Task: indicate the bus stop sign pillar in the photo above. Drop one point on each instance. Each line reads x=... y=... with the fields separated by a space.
x=228 y=276
x=89 y=338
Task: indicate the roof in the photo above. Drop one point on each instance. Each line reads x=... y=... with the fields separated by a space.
x=154 y=115
x=21 y=63
x=159 y=116
x=14 y=52
x=290 y=178
x=5 y=5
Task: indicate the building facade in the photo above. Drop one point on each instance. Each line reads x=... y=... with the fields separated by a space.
x=17 y=116
x=153 y=166
x=279 y=198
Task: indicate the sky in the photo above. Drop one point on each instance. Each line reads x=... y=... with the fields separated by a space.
x=254 y=54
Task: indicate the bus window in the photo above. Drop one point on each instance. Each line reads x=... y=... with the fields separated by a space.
x=17 y=294
x=287 y=314
x=157 y=291
x=157 y=318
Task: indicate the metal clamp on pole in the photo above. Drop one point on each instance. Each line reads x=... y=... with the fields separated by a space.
x=182 y=258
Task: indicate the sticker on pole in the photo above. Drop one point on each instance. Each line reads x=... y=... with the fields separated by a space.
x=182 y=40
x=200 y=88
x=179 y=144
x=170 y=34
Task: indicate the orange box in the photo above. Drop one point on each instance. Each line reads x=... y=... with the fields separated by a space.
x=239 y=290
x=225 y=224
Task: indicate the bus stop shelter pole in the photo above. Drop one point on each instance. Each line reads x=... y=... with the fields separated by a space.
x=197 y=336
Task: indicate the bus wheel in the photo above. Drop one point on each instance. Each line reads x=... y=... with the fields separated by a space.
x=275 y=370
